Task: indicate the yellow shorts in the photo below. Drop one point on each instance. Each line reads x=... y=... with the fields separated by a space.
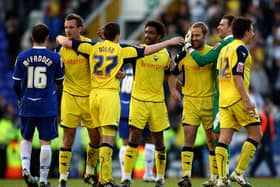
x=235 y=116
x=75 y=111
x=197 y=110
x=108 y=131
x=154 y=113
x=105 y=107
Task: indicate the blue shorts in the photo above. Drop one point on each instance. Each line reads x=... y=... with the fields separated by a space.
x=124 y=129
x=46 y=126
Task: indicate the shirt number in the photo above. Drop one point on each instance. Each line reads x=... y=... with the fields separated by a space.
x=37 y=77
x=104 y=65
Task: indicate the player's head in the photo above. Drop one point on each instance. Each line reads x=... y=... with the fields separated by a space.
x=40 y=33
x=199 y=32
x=242 y=28
x=73 y=26
x=154 y=32
x=112 y=32
x=224 y=27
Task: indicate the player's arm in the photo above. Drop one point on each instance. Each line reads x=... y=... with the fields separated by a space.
x=83 y=47
x=150 y=49
x=173 y=77
x=17 y=75
x=17 y=88
x=64 y=41
x=238 y=74
x=211 y=56
x=59 y=73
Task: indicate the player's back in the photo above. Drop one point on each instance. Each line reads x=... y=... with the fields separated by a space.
x=38 y=68
x=106 y=60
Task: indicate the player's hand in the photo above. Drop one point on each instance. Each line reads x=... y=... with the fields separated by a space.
x=121 y=75
x=188 y=40
x=176 y=40
x=100 y=33
x=175 y=95
x=250 y=107
x=60 y=39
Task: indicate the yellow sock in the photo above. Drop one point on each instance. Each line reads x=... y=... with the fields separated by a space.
x=247 y=153
x=105 y=154
x=221 y=159
x=64 y=161
x=213 y=165
x=129 y=160
x=92 y=159
x=160 y=157
x=186 y=162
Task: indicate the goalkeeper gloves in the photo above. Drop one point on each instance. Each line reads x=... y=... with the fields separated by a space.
x=188 y=40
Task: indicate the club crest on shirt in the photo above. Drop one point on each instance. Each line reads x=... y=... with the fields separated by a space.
x=155 y=57
x=240 y=67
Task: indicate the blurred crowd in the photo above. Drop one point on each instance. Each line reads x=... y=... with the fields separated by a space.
x=178 y=17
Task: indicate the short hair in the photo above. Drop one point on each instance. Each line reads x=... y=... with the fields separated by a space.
x=111 y=30
x=239 y=27
x=73 y=16
x=229 y=18
x=40 y=32
x=160 y=28
x=201 y=25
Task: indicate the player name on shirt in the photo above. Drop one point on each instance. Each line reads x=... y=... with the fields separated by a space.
x=106 y=49
x=37 y=58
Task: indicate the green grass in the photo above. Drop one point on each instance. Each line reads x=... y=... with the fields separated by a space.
x=257 y=182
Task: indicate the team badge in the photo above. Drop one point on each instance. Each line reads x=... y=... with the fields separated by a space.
x=155 y=57
x=240 y=67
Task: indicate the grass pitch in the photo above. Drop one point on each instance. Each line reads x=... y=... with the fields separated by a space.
x=257 y=182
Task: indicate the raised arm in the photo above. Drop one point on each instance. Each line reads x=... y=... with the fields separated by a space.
x=156 y=47
x=64 y=41
x=211 y=56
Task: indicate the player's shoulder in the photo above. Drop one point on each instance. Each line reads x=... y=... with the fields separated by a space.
x=208 y=47
x=86 y=39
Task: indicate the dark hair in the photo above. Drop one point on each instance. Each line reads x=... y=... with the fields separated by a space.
x=40 y=32
x=239 y=27
x=229 y=18
x=73 y=16
x=160 y=28
x=111 y=30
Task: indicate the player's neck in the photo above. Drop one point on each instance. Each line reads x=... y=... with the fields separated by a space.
x=35 y=44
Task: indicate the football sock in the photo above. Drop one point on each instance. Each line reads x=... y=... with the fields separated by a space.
x=213 y=164
x=45 y=162
x=121 y=159
x=92 y=159
x=186 y=161
x=64 y=162
x=149 y=159
x=25 y=154
x=222 y=159
x=160 y=156
x=247 y=152
x=129 y=160
x=105 y=155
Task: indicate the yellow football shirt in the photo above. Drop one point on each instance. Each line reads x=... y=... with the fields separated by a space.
x=76 y=70
x=234 y=59
x=198 y=81
x=149 y=76
x=106 y=59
